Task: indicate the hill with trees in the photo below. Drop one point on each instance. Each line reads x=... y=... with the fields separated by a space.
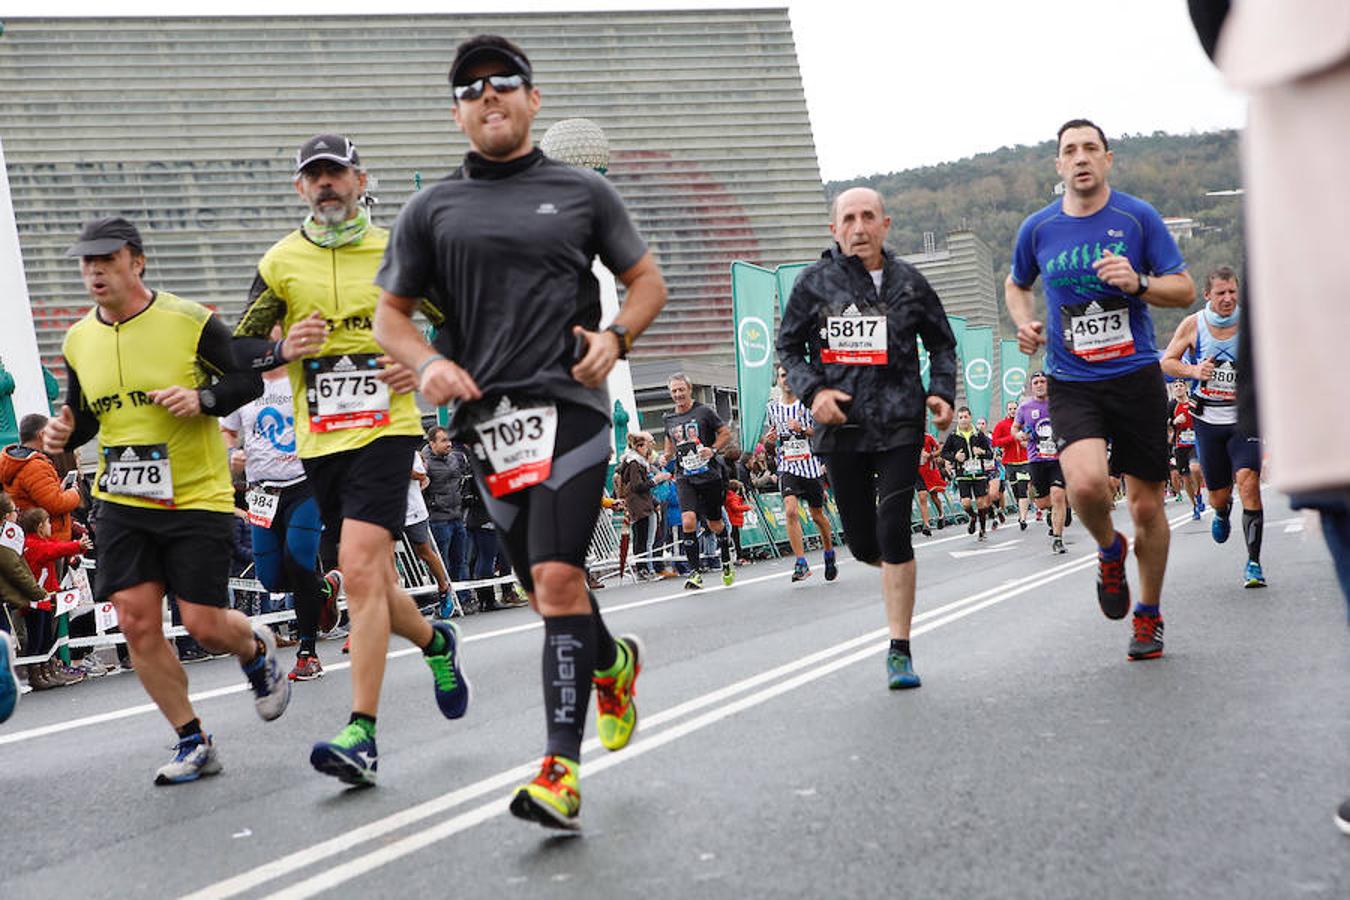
x=992 y=193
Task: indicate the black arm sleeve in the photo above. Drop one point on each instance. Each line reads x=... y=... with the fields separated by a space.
x=253 y=346
x=86 y=423
x=231 y=385
x=950 y=448
x=794 y=349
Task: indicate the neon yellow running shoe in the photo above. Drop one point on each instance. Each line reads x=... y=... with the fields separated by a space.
x=616 y=695
x=728 y=574
x=553 y=798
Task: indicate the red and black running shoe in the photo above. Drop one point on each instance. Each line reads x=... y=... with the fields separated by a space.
x=1147 y=642
x=1113 y=592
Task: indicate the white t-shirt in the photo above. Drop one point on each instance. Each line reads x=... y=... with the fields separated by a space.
x=268 y=428
x=876 y=279
x=417 y=507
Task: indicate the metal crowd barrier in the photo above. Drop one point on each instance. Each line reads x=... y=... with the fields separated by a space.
x=413 y=574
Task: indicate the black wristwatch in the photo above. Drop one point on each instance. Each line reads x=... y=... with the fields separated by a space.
x=625 y=339
x=1143 y=285
x=206 y=398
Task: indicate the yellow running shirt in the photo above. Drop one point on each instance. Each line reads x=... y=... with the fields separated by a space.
x=339 y=405
x=147 y=456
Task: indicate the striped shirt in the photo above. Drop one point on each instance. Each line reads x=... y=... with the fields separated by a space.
x=794 y=451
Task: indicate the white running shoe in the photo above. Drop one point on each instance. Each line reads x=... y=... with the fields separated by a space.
x=194 y=757
x=271 y=687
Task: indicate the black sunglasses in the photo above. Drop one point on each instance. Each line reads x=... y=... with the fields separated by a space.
x=502 y=84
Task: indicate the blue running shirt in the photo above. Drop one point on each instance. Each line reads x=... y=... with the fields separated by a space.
x=1094 y=331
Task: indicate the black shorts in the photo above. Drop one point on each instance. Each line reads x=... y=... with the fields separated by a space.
x=1018 y=477
x=554 y=521
x=1223 y=450
x=1129 y=411
x=186 y=550
x=705 y=498
x=972 y=488
x=1181 y=458
x=1045 y=474
x=368 y=484
x=418 y=532
x=811 y=490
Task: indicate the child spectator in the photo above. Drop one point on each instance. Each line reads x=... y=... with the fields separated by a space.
x=668 y=522
x=737 y=506
x=43 y=556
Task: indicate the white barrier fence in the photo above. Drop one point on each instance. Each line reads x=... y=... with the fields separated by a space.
x=76 y=599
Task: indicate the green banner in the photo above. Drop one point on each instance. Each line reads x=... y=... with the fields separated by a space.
x=1014 y=371
x=753 y=290
x=978 y=369
x=958 y=325
x=786 y=275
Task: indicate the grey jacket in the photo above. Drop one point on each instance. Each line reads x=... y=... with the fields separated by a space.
x=443 y=490
x=888 y=406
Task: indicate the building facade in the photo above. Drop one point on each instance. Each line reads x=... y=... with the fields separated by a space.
x=188 y=127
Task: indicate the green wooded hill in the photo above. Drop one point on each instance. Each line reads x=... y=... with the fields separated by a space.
x=993 y=192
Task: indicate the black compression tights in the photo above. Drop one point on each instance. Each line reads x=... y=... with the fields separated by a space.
x=875 y=492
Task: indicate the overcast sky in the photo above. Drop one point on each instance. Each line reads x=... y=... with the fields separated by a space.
x=907 y=83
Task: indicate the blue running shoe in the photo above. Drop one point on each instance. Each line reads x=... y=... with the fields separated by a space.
x=194 y=757
x=1200 y=502
x=1195 y=512
x=900 y=672
x=350 y=757
x=831 y=566
x=9 y=682
x=800 y=570
x=1253 y=577
x=452 y=688
x=1221 y=527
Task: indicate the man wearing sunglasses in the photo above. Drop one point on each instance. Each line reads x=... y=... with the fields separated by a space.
x=504 y=248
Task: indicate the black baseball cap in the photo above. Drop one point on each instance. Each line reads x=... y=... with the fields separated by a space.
x=104 y=236
x=487 y=47
x=333 y=147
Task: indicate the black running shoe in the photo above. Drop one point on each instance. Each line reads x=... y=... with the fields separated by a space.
x=1343 y=817
x=970 y=525
x=1113 y=592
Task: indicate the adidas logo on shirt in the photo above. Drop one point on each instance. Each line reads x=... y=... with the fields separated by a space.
x=851 y=310
x=129 y=455
x=547 y=209
x=344 y=365
x=1093 y=308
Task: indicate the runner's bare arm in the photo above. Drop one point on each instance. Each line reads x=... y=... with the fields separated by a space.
x=646 y=289
x=1176 y=289
x=1021 y=303
x=1183 y=338
x=439 y=379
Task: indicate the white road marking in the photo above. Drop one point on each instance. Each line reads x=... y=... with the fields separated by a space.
x=145 y=708
x=792 y=672
x=962 y=554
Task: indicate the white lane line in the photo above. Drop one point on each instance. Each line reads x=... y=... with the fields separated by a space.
x=292 y=862
x=145 y=708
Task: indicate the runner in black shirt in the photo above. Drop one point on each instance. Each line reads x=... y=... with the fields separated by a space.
x=694 y=435
x=503 y=248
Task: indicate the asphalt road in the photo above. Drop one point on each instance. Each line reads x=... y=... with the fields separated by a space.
x=771 y=760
